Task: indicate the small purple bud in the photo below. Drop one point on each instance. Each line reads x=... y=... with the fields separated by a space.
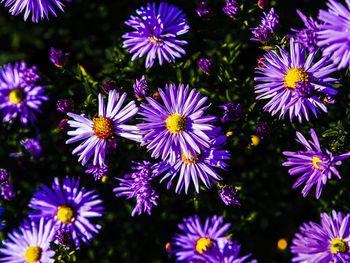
x=3 y=176
x=232 y=111
x=205 y=65
x=65 y=105
x=141 y=89
x=7 y=191
x=203 y=10
x=63 y=125
x=231 y=8
x=228 y=195
x=263 y=3
x=33 y=146
x=262 y=34
x=57 y=57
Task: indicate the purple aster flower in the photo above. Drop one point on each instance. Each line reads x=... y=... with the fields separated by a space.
x=141 y=88
x=137 y=184
x=228 y=195
x=307 y=36
x=281 y=76
x=65 y=105
x=263 y=3
x=232 y=112
x=205 y=65
x=39 y=9
x=333 y=34
x=262 y=34
x=97 y=171
x=33 y=146
x=110 y=85
x=3 y=176
x=231 y=8
x=29 y=75
x=58 y=57
x=223 y=251
x=179 y=126
x=324 y=243
x=262 y=130
x=203 y=10
x=18 y=94
x=8 y=191
x=202 y=166
x=271 y=20
x=96 y=132
x=155 y=33
x=196 y=238
x=30 y=244
x=68 y=207
x=316 y=167
x=63 y=125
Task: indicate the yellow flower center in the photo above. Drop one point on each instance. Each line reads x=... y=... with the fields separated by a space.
x=193 y=160
x=155 y=41
x=175 y=123
x=202 y=244
x=33 y=254
x=339 y=245
x=65 y=214
x=17 y=95
x=316 y=160
x=103 y=127
x=295 y=75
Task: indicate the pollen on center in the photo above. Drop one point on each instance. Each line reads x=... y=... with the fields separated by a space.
x=202 y=244
x=65 y=214
x=103 y=127
x=295 y=75
x=316 y=160
x=175 y=123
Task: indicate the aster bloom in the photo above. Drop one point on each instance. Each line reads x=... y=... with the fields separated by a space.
x=33 y=146
x=231 y=8
x=141 y=88
x=203 y=10
x=293 y=83
x=232 y=112
x=97 y=171
x=205 y=65
x=228 y=195
x=196 y=238
x=267 y=26
x=323 y=243
x=40 y=9
x=155 y=33
x=137 y=184
x=58 y=57
x=19 y=95
x=30 y=244
x=96 y=132
x=333 y=34
x=65 y=105
x=179 y=126
x=202 y=166
x=271 y=20
x=224 y=251
x=68 y=207
x=307 y=36
x=315 y=166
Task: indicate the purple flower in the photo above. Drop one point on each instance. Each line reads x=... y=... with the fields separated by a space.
x=3 y=176
x=141 y=88
x=281 y=76
x=203 y=10
x=262 y=130
x=97 y=171
x=68 y=207
x=39 y=8
x=315 y=166
x=33 y=146
x=333 y=34
x=223 y=251
x=177 y=128
x=307 y=36
x=57 y=57
x=96 y=132
x=262 y=34
x=268 y=25
x=65 y=105
x=232 y=111
x=205 y=65
x=8 y=191
x=63 y=125
x=19 y=96
x=201 y=167
x=324 y=243
x=196 y=238
x=271 y=20
x=155 y=33
x=228 y=195
x=137 y=184
x=30 y=244
x=231 y=8
x=263 y=3
x=110 y=85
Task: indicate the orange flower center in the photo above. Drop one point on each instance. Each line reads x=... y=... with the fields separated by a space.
x=103 y=127
x=202 y=244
